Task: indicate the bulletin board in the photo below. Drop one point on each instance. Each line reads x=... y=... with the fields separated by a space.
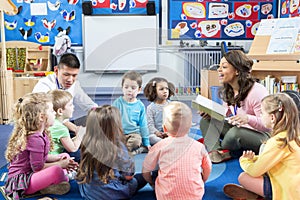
x=224 y=19
x=38 y=21
x=118 y=43
x=289 y=8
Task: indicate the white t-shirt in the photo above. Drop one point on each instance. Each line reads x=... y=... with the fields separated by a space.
x=80 y=98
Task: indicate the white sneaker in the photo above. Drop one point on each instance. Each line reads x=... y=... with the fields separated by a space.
x=140 y=150
x=71 y=175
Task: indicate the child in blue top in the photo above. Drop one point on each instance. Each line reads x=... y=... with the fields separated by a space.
x=133 y=114
x=106 y=169
x=158 y=91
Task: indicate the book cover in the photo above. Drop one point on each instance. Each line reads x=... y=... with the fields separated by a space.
x=210 y=107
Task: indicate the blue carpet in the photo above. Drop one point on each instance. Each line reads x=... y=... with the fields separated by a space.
x=222 y=174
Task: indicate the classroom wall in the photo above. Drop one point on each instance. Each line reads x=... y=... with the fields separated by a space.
x=170 y=66
x=170 y=61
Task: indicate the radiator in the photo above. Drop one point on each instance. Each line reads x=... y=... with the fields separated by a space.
x=194 y=61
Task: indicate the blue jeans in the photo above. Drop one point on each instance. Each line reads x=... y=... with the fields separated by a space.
x=267 y=187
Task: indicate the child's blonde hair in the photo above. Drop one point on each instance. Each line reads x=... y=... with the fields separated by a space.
x=150 y=88
x=101 y=144
x=287 y=119
x=60 y=98
x=177 y=118
x=26 y=116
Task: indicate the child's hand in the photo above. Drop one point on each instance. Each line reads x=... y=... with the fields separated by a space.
x=73 y=165
x=248 y=154
x=148 y=147
x=68 y=163
x=162 y=135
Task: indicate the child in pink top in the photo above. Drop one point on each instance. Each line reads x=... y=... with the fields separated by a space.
x=31 y=169
x=184 y=164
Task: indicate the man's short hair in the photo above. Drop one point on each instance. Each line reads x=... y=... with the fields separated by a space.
x=69 y=60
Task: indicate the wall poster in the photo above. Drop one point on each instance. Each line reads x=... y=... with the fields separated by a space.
x=289 y=8
x=222 y=19
x=40 y=21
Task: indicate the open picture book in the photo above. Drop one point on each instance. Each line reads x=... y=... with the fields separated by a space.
x=210 y=107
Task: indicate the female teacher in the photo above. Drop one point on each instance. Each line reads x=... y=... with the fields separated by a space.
x=242 y=95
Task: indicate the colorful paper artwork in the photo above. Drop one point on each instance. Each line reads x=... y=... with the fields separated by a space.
x=222 y=19
x=33 y=25
x=289 y=8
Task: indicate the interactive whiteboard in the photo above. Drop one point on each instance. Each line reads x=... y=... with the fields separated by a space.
x=118 y=43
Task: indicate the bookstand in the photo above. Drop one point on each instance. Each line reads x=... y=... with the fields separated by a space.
x=276 y=65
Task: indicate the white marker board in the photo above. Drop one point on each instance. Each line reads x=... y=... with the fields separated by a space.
x=118 y=43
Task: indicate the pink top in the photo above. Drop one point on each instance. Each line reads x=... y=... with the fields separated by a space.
x=33 y=158
x=181 y=161
x=251 y=106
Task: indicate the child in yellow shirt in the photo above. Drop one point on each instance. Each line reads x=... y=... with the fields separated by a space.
x=273 y=174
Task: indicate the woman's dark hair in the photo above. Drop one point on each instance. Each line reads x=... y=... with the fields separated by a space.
x=150 y=89
x=295 y=96
x=243 y=64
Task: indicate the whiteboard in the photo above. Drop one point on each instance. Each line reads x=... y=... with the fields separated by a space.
x=118 y=43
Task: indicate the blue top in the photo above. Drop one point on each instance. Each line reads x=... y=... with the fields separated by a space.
x=117 y=188
x=133 y=118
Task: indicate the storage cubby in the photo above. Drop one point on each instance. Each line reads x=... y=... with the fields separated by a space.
x=27 y=57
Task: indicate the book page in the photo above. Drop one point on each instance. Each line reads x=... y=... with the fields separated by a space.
x=210 y=107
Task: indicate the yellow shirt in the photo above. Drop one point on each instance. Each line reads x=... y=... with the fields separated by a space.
x=281 y=165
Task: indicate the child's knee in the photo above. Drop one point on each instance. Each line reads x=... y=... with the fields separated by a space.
x=242 y=178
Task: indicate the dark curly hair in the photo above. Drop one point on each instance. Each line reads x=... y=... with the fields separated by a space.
x=150 y=89
x=243 y=64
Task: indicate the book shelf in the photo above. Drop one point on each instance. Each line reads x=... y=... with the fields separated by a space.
x=24 y=56
x=26 y=59
x=275 y=65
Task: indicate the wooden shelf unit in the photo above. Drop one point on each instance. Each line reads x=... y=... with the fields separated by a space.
x=276 y=65
x=34 y=51
x=23 y=82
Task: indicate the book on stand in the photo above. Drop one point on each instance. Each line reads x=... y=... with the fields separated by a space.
x=210 y=107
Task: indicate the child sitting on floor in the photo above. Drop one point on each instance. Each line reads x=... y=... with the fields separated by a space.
x=106 y=169
x=158 y=91
x=184 y=164
x=274 y=173
x=31 y=169
x=133 y=112
x=63 y=106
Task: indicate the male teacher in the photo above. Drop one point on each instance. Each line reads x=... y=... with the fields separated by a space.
x=64 y=77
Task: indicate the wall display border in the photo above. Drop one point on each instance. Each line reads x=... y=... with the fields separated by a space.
x=223 y=19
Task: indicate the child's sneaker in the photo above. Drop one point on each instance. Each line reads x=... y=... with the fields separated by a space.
x=140 y=150
x=71 y=174
x=238 y=192
x=60 y=189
